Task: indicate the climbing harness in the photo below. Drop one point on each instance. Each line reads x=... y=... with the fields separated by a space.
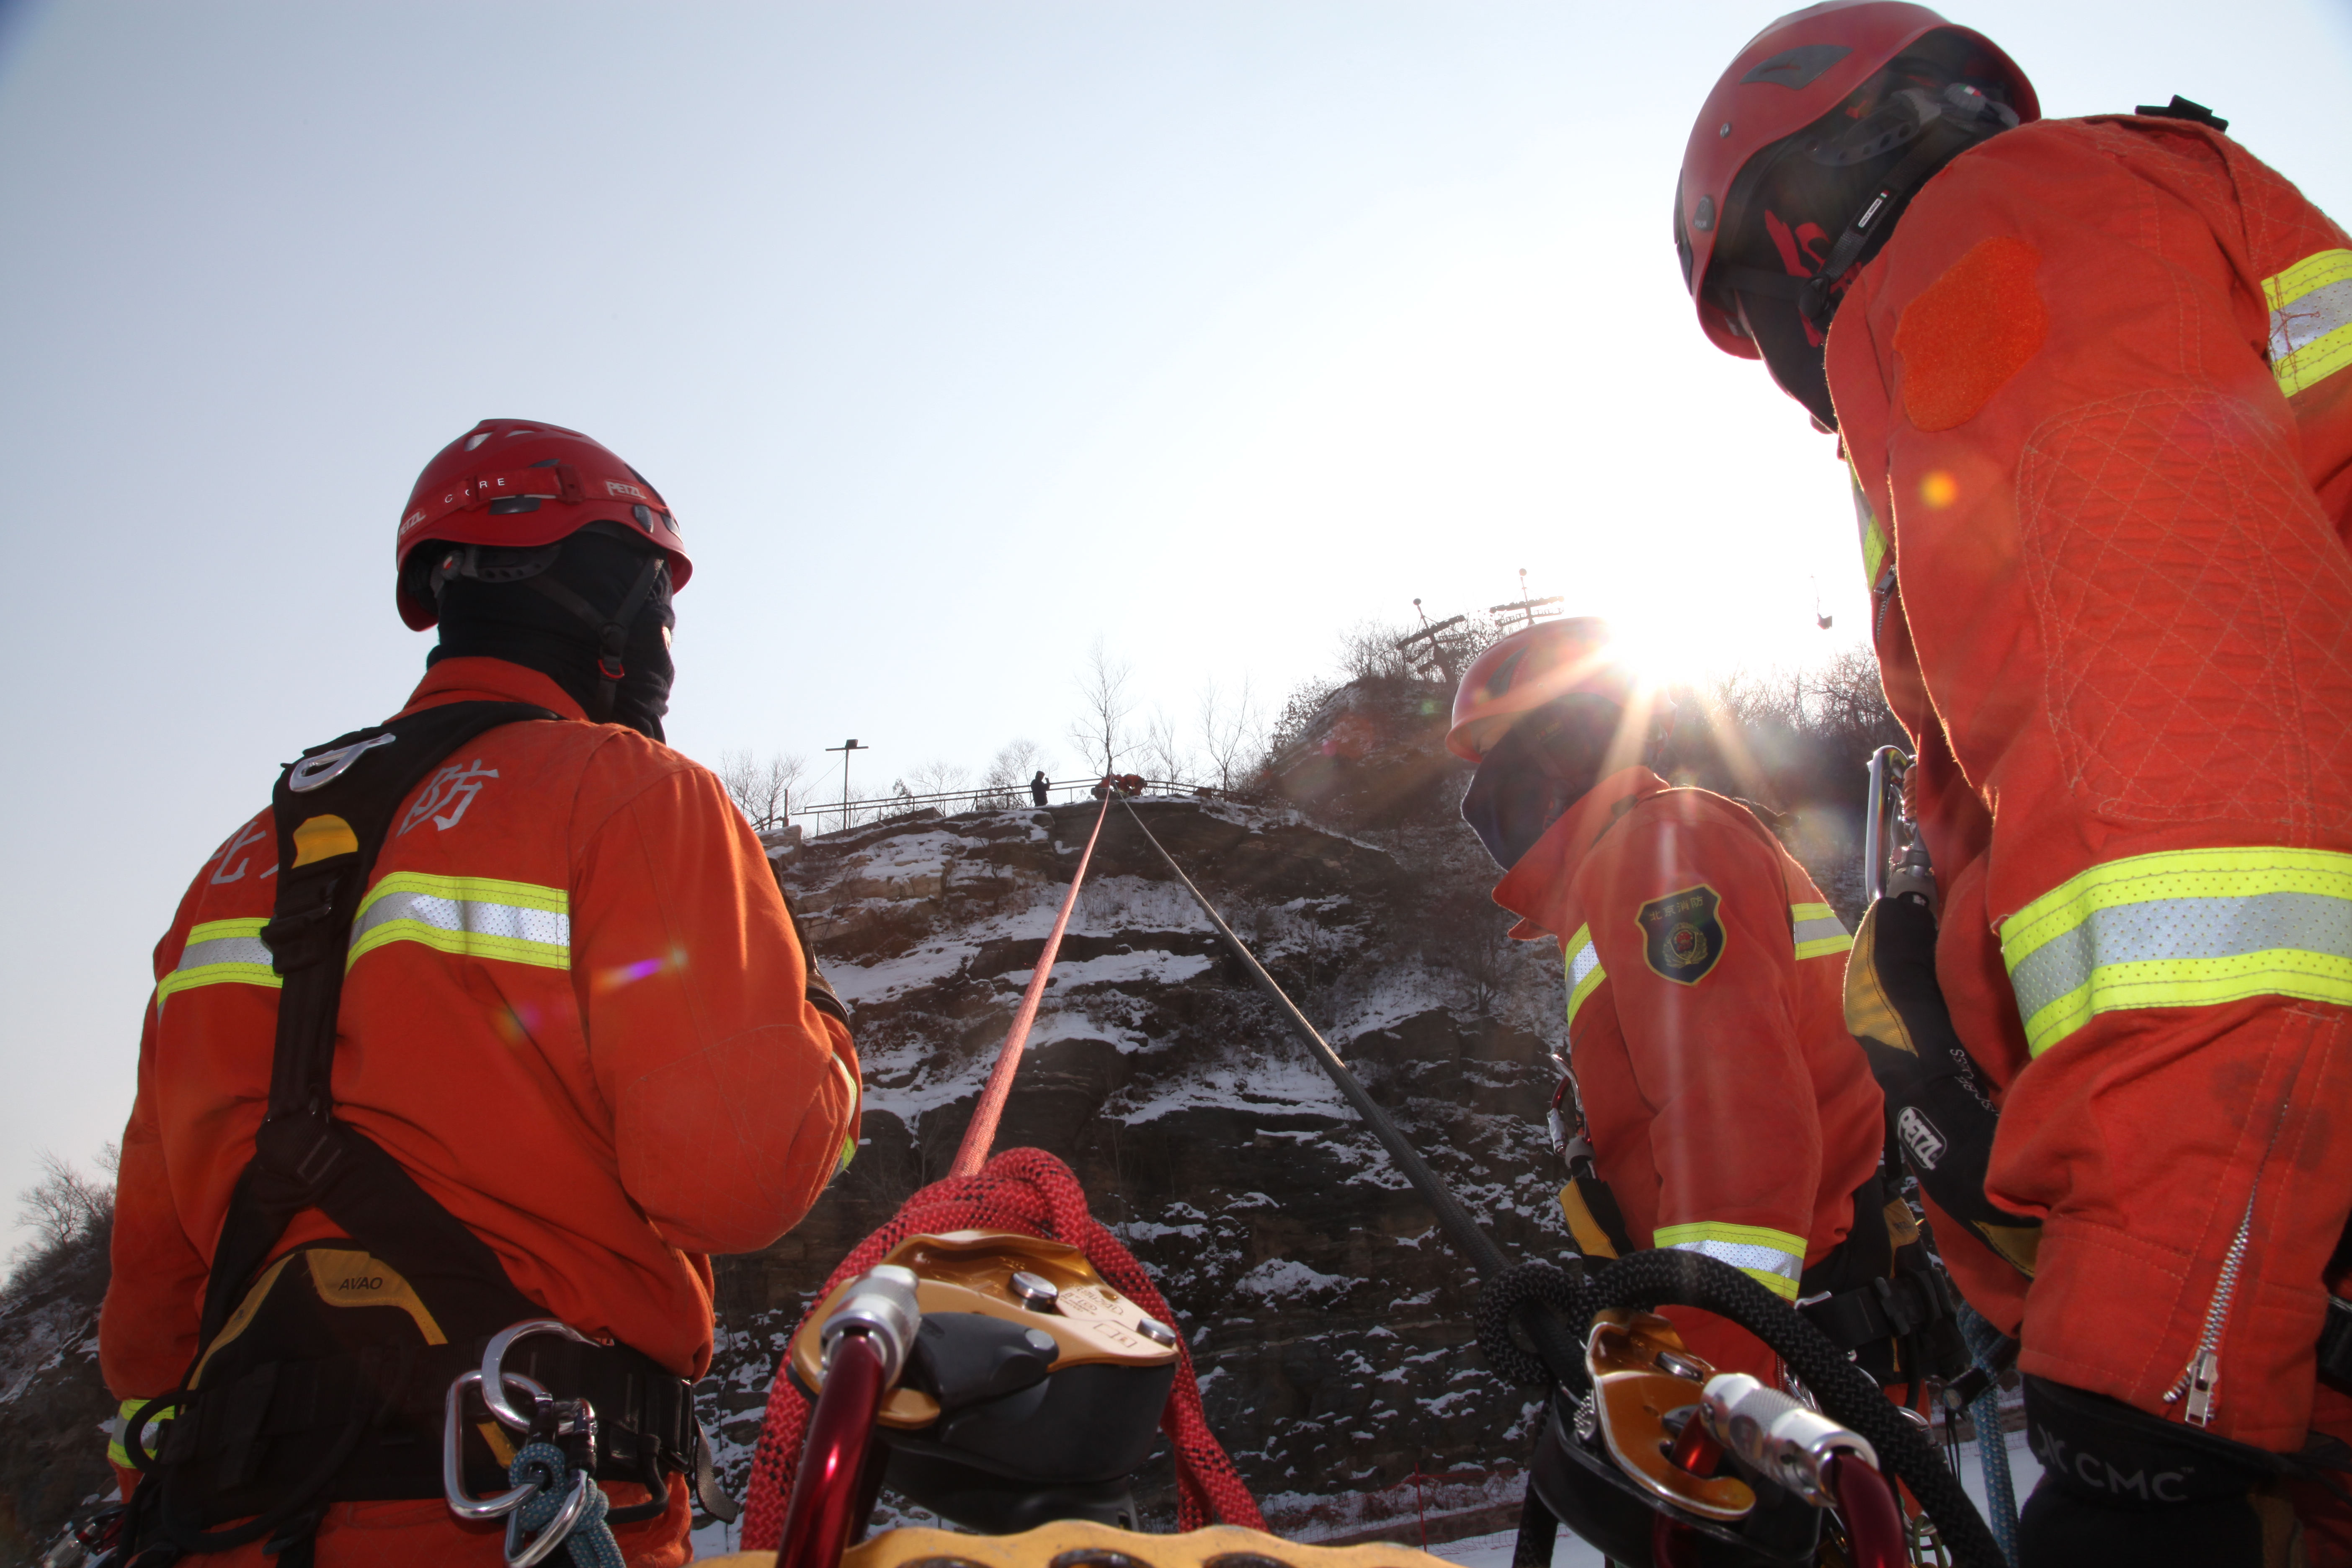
x=319 y=1377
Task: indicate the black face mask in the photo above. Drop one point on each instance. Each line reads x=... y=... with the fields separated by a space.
x=1543 y=765
x=548 y=609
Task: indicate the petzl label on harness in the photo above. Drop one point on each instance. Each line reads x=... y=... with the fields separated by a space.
x=1681 y=938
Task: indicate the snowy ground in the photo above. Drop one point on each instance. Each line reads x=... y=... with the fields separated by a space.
x=1495 y=1551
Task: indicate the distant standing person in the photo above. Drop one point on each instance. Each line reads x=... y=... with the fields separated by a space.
x=1038 y=787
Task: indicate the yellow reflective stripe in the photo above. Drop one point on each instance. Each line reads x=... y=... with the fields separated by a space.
x=1584 y=972
x=1875 y=542
x=2311 y=320
x=220 y=952
x=1818 y=931
x=474 y=917
x=2187 y=928
x=1773 y=1259
x=857 y=1114
x=116 y=1453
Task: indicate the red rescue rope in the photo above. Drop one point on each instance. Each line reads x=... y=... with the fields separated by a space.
x=1030 y=1192
x=981 y=1135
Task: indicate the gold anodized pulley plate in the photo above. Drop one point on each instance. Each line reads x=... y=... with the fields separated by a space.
x=1641 y=1375
x=973 y=1271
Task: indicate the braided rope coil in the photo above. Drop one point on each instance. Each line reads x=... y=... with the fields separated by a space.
x=1030 y=1192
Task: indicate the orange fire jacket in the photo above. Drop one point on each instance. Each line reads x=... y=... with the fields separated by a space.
x=2097 y=394
x=610 y=1072
x=1729 y=1110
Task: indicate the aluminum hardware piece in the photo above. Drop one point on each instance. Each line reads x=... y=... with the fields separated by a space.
x=462 y=1503
x=1036 y=1292
x=1155 y=1330
x=1778 y=1435
x=493 y=1379
x=312 y=773
x=1044 y=1344
x=881 y=1305
x=1683 y=1366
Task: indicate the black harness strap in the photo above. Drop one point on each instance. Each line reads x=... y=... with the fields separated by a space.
x=333 y=811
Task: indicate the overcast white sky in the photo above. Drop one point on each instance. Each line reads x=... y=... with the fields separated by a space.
x=958 y=333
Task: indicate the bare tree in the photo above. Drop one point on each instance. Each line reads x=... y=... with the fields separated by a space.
x=1231 y=734
x=1008 y=776
x=1100 y=728
x=1369 y=651
x=71 y=1217
x=938 y=776
x=1165 y=756
x=761 y=790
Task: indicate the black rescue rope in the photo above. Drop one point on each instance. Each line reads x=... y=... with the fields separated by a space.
x=1476 y=1247
x=1847 y=1394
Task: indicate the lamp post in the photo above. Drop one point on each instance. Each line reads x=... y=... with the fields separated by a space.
x=845 y=749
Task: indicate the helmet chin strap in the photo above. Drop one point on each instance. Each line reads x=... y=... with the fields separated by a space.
x=611 y=631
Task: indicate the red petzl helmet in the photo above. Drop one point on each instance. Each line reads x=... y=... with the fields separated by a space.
x=1788 y=76
x=516 y=484
x=1530 y=669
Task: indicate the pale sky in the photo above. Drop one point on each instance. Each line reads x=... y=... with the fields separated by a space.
x=957 y=332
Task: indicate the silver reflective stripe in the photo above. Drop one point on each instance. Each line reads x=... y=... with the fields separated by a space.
x=2175 y=929
x=1584 y=972
x=472 y=917
x=475 y=917
x=1748 y=1256
x=1819 y=932
x=223 y=950
x=2311 y=318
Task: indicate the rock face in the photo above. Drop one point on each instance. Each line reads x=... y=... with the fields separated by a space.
x=1330 y=1324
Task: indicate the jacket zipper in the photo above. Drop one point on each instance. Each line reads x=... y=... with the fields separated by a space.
x=2201 y=1380
x=1884 y=589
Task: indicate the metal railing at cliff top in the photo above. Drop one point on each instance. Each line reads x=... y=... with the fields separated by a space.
x=878 y=809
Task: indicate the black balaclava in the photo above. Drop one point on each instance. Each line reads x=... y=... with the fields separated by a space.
x=1800 y=199
x=547 y=608
x=1543 y=765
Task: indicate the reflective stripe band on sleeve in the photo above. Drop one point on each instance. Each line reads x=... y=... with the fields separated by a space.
x=116 y=1453
x=1873 y=533
x=1773 y=1259
x=1584 y=972
x=2188 y=928
x=1818 y=932
x=217 y=953
x=2311 y=320
x=471 y=916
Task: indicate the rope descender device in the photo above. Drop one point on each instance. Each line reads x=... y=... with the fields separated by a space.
x=1668 y=1418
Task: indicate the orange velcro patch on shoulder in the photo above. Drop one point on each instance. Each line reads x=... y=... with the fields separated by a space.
x=1968 y=331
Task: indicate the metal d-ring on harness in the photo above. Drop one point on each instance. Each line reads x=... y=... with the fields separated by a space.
x=549 y=1423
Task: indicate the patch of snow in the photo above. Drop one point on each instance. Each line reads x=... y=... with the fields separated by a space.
x=1286 y=1277
x=1147 y=965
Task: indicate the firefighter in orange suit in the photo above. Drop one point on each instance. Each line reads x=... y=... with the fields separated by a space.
x=2093 y=379
x=575 y=1013
x=1727 y=1111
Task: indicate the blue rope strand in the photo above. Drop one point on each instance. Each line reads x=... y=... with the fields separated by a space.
x=1992 y=1443
x=591 y=1542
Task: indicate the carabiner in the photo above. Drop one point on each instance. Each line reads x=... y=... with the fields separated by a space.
x=493 y=1379
x=463 y=1503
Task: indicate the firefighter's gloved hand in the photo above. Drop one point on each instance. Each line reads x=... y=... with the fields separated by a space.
x=2122 y=1487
